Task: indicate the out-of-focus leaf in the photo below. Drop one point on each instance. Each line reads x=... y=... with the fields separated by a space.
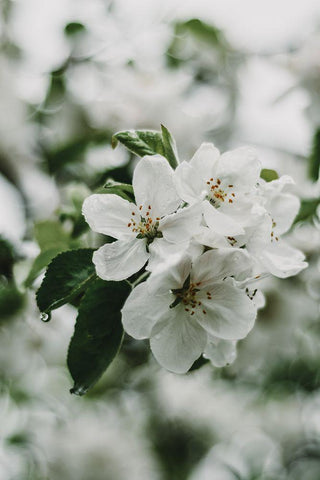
x=73 y=28
x=68 y=275
x=7 y=257
x=11 y=300
x=98 y=333
x=201 y=30
x=268 y=175
x=40 y=263
x=170 y=147
x=140 y=142
x=50 y=234
x=307 y=210
x=124 y=190
x=314 y=159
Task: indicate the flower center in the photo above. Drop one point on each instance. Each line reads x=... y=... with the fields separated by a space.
x=145 y=226
x=187 y=295
x=218 y=194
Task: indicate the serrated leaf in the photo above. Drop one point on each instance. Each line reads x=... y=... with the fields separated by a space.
x=124 y=190
x=68 y=275
x=98 y=333
x=170 y=147
x=314 y=159
x=140 y=142
x=268 y=174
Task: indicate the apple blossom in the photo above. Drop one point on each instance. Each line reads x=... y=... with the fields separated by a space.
x=154 y=220
x=185 y=303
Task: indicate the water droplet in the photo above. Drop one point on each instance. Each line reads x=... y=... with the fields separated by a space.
x=45 y=317
x=79 y=390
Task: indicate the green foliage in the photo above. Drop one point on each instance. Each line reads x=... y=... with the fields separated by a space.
x=170 y=147
x=268 y=175
x=73 y=28
x=201 y=30
x=124 y=190
x=98 y=333
x=52 y=239
x=11 y=299
x=307 y=210
x=148 y=142
x=7 y=258
x=314 y=159
x=68 y=275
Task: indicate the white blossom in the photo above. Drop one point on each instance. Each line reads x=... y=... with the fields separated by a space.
x=183 y=304
x=154 y=219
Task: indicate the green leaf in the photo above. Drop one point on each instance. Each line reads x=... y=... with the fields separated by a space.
x=50 y=234
x=314 y=159
x=11 y=300
x=201 y=30
x=140 y=142
x=124 y=190
x=307 y=210
x=149 y=142
x=7 y=257
x=68 y=275
x=268 y=175
x=170 y=147
x=98 y=333
x=40 y=263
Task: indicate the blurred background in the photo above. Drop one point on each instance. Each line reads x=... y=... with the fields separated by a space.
x=72 y=73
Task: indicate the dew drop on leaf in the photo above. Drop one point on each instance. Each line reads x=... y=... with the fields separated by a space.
x=45 y=317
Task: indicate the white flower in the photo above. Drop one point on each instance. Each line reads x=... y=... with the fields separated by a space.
x=223 y=183
x=185 y=303
x=154 y=219
x=272 y=254
x=220 y=352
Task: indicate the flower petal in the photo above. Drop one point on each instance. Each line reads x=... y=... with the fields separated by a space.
x=282 y=260
x=240 y=167
x=121 y=259
x=160 y=250
x=220 y=352
x=153 y=185
x=141 y=311
x=190 y=178
x=220 y=222
x=283 y=209
x=170 y=274
x=109 y=214
x=230 y=314
x=182 y=225
x=177 y=341
x=220 y=263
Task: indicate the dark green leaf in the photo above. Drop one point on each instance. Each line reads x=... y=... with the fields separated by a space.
x=268 y=175
x=98 y=333
x=140 y=142
x=11 y=300
x=73 y=28
x=170 y=147
x=124 y=190
x=40 y=263
x=68 y=275
x=307 y=210
x=314 y=159
x=7 y=257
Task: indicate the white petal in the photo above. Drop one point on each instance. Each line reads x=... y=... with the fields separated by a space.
x=141 y=311
x=109 y=214
x=240 y=167
x=282 y=260
x=153 y=185
x=220 y=352
x=283 y=209
x=217 y=264
x=170 y=274
x=219 y=222
x=191 y=178
x=160 y=250
x=177 y=341
x=209 y=238
x=230 y=314
x=182 y=225
x=121 y=259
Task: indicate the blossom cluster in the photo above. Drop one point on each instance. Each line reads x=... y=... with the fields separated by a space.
x=205 y=233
